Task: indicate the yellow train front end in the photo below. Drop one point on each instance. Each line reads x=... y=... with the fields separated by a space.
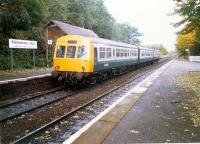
x=73 y=58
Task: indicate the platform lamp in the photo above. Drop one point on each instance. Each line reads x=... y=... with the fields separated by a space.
x=188 y=51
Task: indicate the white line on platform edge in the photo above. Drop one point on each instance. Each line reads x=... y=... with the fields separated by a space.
x=150 y=78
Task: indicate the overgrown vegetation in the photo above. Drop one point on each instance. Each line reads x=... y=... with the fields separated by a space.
x=160 y=47
x=25 y=19
x=189 y=36
x=190 y=82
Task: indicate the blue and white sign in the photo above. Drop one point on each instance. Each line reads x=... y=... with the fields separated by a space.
x=23 y=44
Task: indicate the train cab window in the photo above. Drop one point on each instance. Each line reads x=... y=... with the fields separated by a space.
x=81 y=52
x=60 y=52
x=71 y=50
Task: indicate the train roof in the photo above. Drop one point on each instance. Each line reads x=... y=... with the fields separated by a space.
x=111 y=42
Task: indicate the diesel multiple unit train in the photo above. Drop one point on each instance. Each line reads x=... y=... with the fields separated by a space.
x=79 y=59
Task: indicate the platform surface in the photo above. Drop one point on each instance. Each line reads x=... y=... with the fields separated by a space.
x=155 y=118
x=146 y=114
x=17 y=75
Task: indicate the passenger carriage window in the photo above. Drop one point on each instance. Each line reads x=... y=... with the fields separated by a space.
x=108 y=53
x=135 y=53
x=102 y=53
x=113 y=52
x=126 y=53
x=71 y=50
x=121 y=52
x=60 y=52
x=118 y=53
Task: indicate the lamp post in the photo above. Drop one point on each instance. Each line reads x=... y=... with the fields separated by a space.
x=188 y=51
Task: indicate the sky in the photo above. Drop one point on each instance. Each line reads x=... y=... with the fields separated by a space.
x=150 y=17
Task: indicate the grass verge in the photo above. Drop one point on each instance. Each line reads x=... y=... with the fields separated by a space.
x=190 y=82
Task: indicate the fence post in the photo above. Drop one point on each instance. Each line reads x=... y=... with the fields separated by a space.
x=11 y=57
x=33 y=58
x=46 y=45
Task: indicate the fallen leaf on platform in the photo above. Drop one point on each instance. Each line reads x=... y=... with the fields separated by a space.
x=176 y=101
x=157 y=94
x=134 y=131
x=156 y=106
x=186 y=130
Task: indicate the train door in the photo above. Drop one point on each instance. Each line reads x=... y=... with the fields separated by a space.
x=95 y=56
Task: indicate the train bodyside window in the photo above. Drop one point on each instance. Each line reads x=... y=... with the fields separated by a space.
x=108 y=52
x=102 y=53
x=118 y=53
x=113 y=52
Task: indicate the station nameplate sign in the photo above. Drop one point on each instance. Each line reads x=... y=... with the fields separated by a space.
x=23 y=44
x=50 y=42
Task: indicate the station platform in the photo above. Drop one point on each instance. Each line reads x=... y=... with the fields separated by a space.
x=152 y=112
x=6 y=77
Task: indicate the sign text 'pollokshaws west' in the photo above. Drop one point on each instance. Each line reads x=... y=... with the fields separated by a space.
x=26 y=44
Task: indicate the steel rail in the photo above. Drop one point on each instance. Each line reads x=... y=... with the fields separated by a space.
x=86 y=104
x=32 y=96
x=37 y=107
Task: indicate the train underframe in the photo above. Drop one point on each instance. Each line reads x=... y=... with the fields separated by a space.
x=82 y=79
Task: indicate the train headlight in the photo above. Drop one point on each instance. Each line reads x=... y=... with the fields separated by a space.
x=57 y=67
x=83 y=68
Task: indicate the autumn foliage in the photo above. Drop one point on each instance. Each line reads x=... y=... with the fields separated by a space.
x=189 y=36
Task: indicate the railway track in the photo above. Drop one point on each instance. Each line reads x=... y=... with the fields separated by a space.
x=30 y=97
x=11 y=116
x=53 y=122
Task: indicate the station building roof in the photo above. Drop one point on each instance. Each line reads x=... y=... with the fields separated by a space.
x=70 y=29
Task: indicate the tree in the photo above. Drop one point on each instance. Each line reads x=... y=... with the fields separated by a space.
x=20 y=19
x=25 y=19
x=187 y=41
x=190 y=11
x=160 y=47
x=21 y=15
x=126 y=33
